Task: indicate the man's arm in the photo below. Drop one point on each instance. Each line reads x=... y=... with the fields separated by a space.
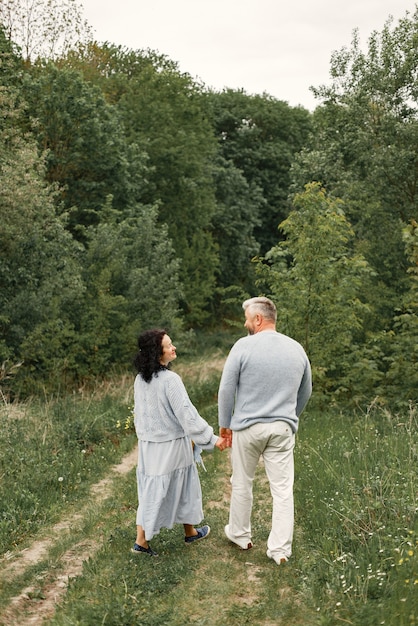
x=305 y=389
x=227 y=388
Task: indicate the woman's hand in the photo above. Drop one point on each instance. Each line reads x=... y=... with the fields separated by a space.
x=222 y=443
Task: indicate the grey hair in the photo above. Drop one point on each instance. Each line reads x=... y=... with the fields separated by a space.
x=263 y=306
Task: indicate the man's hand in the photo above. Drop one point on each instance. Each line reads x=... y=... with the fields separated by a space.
x=226 y=433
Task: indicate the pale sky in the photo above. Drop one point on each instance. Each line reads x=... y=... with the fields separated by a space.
x=273 y=46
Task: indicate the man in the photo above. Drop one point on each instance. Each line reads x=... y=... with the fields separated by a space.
x=265 y=385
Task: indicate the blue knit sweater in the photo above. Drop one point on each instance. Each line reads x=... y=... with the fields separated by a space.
x=267 y=376
x=163 y=411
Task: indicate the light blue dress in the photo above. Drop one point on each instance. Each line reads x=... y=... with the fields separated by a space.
x=169 y=490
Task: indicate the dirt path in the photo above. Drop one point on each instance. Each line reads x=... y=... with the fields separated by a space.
x=31 y=607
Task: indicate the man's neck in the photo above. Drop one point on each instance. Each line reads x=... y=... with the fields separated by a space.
x=266 y=326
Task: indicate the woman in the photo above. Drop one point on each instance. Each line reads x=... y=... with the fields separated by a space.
x=166 y=423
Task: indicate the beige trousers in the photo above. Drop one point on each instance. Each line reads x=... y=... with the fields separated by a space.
x=274 y=442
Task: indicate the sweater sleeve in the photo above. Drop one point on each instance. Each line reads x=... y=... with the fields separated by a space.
x=228 y=387
x=192 y=423
x=305 y=389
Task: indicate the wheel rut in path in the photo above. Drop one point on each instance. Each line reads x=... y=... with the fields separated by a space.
x=34 y=605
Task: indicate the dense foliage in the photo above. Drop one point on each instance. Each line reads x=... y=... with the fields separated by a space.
x=120 y=209
x=132 y=196
x=363 y=150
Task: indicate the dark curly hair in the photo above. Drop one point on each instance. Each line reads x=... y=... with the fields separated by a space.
x=147 y=359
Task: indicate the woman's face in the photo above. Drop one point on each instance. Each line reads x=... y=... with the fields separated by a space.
x=169 y=351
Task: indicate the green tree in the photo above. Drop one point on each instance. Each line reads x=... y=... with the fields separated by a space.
x=39 y=270
x=163 y=113
x=237 y=207
x=131 y=275
x=315 y=280
x=87 y=152
x=164 y=108
x=260 y=135
x=400 y=346
x=72 y=311
x=363 y=149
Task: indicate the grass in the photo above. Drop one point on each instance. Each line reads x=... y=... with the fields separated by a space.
x=51 y=453
x=357 y=504
x=356 y=535
x=207 y=583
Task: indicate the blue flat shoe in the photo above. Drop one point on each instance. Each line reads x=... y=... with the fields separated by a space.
x=137 y=549
x=201 y=534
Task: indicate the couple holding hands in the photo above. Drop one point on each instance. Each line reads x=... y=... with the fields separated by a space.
x=265 y=384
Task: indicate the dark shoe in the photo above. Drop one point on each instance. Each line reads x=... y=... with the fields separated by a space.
x=201 y=534
x=137 y=549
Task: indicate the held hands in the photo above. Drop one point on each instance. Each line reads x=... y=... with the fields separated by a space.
x=222 y=443
x=225 y=435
